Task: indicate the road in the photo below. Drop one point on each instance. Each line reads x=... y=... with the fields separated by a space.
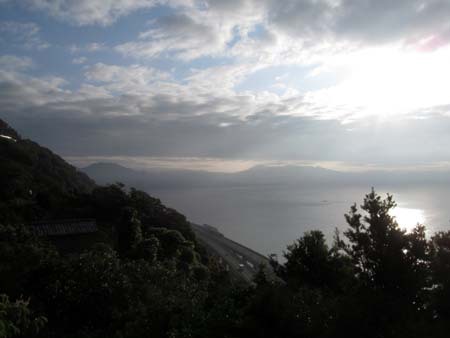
x=242 y=261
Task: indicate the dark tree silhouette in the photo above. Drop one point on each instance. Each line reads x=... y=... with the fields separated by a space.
x=390 y=268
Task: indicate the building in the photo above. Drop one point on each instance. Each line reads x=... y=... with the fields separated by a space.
x=69 y=235
x=65 y=227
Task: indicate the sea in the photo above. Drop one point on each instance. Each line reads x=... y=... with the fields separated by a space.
x=268 y=218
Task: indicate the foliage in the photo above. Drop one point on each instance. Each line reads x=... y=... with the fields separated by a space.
x=34 y=181
x=391 y=267
x=310 y=262
x=440 y=275
x=17 y=320
x=21 y=254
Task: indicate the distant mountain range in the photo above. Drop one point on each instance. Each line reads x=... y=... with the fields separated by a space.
x=259 y=175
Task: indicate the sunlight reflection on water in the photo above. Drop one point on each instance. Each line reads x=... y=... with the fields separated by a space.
x=408 y=218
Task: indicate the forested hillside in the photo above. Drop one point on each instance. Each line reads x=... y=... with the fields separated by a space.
x=146 y=275
x=35 y=182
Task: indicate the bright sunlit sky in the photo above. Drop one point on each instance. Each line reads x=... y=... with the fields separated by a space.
x=227 y=84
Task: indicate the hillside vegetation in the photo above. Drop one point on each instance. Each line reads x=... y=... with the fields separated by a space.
x=34 y=181
x=146 y=275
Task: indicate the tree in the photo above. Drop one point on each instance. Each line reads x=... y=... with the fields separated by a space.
x=129 y=231
x=17 y=320
x=440 y=273
x=21 y=254
x=308 y=261
x=147 y=249
x=391 y=267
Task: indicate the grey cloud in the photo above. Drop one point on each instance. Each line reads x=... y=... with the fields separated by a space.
x=301 y=18
x=14 y=63
x=90 y=47
x=185 y=36
x=175 y=24
x=134 y=79
x=198 y=120
x=367 y=22
x=88 y=12
x=389 y=20
x=272 y=138
x=134 y=90
x=363 y=21
x=22 y=34
x=79 y=60
x=229 y=6
x=290 y=28
x=79 y=125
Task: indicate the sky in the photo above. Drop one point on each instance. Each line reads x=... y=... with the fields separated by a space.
x=222 y=85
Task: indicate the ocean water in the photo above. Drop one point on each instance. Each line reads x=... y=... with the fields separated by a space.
x=268 y=218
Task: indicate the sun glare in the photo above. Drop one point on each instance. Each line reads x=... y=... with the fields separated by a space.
x=408 y=218
x=386 y=82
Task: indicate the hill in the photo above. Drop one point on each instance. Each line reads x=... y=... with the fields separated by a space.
x=261 y=175
x=104 y=173
x=37 y=184
x=34 y=176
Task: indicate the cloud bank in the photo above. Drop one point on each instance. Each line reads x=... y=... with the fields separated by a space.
x=327 y=80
